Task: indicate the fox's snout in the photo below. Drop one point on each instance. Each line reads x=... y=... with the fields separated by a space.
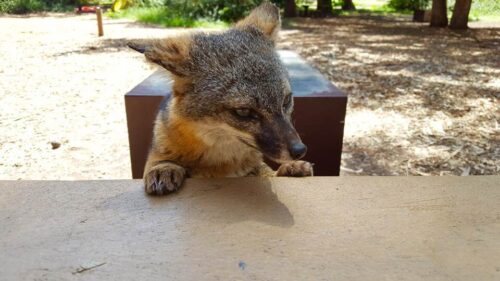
x=278 y=139
x=292 y=147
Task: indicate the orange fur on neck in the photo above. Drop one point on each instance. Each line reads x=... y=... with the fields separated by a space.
x=186 y=143
x=182 y=140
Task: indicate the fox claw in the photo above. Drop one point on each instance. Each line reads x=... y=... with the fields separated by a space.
x=164 y=178
x=295 y=169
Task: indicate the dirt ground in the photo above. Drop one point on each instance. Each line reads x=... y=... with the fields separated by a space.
x=421 y=101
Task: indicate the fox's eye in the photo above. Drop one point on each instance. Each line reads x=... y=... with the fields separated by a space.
x=246 y=114
x=243 y=112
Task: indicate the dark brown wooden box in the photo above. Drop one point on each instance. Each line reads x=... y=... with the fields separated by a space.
x=319 y=114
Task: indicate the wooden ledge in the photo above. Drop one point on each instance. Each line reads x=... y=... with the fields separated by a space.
x=322 y=228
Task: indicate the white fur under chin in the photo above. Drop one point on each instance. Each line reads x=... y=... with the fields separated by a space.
x=226 y=147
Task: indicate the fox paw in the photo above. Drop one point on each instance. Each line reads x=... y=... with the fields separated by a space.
x=295 y=169
x=164 y=178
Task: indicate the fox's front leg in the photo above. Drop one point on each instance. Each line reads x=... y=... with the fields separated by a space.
x=295 y=169
x=162 y=177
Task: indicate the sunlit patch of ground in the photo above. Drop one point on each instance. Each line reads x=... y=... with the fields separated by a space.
x=422 y=101
x=61 y=84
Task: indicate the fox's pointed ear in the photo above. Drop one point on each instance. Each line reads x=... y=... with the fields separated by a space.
x=266 y=18
x=171 y=53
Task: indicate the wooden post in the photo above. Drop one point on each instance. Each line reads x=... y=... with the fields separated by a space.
x=98 y=12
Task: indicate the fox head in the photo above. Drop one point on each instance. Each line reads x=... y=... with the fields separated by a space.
x=234 y=78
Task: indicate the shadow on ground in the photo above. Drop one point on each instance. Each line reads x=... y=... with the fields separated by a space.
x=422 y=100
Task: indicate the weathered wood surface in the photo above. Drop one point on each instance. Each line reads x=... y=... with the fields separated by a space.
x=355 y=228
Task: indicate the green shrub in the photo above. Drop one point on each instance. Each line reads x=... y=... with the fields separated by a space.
x=192 y=13
x=409 y=5
x=29 y=6
x=163 y=16
x=480 y=8
x=225 y=10
x=21 y=6
x=149 y=3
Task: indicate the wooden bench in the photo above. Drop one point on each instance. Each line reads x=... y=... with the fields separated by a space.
x=320 y=228
x=318 y=115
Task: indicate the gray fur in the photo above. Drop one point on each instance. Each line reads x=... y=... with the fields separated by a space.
x=241 y=69
x=235 y=69
x=238 y=68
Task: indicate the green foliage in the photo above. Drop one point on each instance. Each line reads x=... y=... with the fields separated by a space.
x=306 y=2
x=225 y=10
x=29 y=6
x=149 y=3
x=409 y=5
x=193 y=13
x=209 y=10
x=20 y=6
x=480 y=8
x=163 y=16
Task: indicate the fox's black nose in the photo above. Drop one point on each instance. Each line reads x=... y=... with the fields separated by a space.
x=297 y=150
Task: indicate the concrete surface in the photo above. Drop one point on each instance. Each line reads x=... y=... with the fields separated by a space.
x=344 y=228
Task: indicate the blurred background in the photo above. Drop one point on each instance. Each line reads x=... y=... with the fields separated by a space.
x=422 y=76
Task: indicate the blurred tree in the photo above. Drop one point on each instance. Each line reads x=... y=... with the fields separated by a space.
x=290 y=8
x=348 y=5
x=439 y=18
x=324 y=8
x=460 y=16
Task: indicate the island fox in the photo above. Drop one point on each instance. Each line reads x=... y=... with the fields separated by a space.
x=230 y=107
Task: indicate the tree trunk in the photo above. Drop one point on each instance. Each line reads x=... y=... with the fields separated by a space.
x=290 y=9
x=348 y=5
x=439 y=18
x=460 y=16
x=325 y=8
